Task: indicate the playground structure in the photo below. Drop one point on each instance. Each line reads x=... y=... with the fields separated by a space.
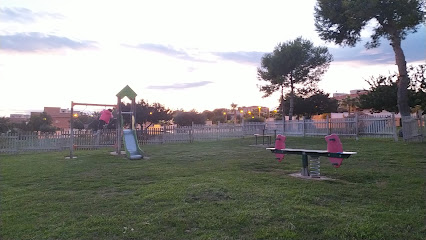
x=133 y=151
x=131 y=146
x=311 y=167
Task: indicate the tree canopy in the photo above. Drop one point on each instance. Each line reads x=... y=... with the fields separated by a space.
x=349 y=104
x=317 y=103
x=296 y=64
x=152 y=113
x=187 y=118
x=41 y=122
x=341 y=22
x=217 y=115
x=4 y=124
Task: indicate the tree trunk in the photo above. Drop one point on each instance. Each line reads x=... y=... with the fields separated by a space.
x=403 y=80
x=290 y=110
x=283 y=107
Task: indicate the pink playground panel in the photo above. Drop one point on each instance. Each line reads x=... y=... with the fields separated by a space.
x=279 y=144
x=334 y=146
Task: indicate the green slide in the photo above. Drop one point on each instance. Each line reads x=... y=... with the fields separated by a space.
x=133 y=151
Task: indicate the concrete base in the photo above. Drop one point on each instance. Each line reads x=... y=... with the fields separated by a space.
x=299 y=175
x=261 y=145
x=124 y=153
x=115 y=153
x=304 y=172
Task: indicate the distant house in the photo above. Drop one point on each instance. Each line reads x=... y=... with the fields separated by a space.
x=19 y=118
x=60 y=116
x=353 y=94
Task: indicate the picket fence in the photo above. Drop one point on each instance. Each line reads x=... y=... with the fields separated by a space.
x=414 y=128
x=173 y=134
x=358 y=126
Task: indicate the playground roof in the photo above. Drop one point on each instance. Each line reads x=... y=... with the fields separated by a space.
x=126 y=92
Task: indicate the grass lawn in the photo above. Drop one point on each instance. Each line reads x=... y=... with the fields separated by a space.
x=215 y=190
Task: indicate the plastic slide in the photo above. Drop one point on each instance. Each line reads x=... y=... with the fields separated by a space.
x=133 y=151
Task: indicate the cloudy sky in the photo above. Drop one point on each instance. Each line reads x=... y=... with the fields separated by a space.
x=186 y=54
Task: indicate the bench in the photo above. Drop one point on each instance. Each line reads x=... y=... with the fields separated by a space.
x=268 y=138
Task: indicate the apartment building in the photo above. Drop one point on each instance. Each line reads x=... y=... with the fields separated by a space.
x=60 y=116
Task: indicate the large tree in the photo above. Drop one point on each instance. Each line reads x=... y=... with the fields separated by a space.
x=383 y=91
x=341 y=22
x=234 y=111
x=295 y=64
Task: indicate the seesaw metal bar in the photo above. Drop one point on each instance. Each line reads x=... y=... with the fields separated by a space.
x=92 y=104
x=320 y=153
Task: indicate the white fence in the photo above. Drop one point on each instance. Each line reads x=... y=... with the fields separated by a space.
x=357 y=126
x=413 y=128
x=383 y=126
x=172 y=134
x=29 y=142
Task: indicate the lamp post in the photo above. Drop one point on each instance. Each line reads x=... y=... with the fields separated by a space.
x=226 y=119
x=259 y=110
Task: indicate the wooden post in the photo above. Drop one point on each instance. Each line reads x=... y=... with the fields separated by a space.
x=119 y=127
x=356 y=125
x=218 y=131
x=72 y=132
x=395 y=134
x=328 y=125
x=164 y=134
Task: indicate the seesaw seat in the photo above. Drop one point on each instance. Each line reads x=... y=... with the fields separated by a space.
x=279 y=144
x=335 y=146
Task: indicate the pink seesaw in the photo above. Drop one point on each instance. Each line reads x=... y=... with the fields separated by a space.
x=334 y=152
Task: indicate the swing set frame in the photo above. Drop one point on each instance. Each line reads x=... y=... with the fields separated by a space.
x=72 y=121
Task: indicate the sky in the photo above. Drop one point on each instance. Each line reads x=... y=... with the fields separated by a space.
x=186 y=54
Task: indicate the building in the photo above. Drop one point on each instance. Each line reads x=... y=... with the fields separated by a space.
x=264 y=111
x=19 y=118
x=60 y=116
x=353 y=94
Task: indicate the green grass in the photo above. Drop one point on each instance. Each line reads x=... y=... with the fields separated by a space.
x=215 y=190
